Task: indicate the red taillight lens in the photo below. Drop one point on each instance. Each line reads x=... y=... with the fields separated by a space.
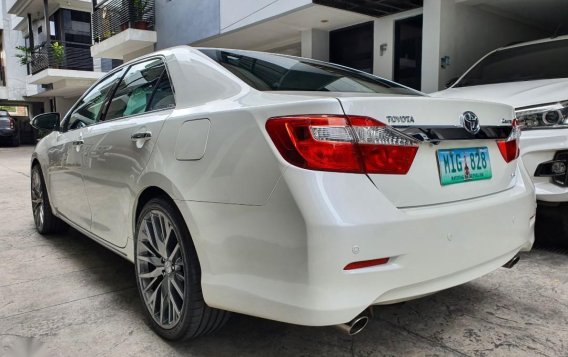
x=332 y=151
x=12 y=123
x=342 y=144
x=510 y=148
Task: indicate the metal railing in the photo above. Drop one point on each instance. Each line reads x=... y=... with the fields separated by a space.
x=114 y=16
x=65 y=55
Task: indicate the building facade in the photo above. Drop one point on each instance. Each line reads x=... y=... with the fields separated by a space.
x=420 y=43
x=46 y=58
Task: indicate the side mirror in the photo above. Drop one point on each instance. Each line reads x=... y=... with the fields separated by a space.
x=451 y=82
x=46 y=121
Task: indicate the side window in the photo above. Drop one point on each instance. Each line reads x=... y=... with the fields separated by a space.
x=141 y=89
x=163 y=97
x=87 y=111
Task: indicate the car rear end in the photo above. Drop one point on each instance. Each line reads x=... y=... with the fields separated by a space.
x=7 y=126
x=395 y=212
x=385 y=195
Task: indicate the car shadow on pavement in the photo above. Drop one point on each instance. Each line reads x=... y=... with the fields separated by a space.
x=494 y=314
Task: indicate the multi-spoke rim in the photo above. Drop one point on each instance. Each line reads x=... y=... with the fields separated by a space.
x=37 y=198
x=160 y=263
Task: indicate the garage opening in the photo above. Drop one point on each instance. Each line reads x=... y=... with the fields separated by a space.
x=353 y=46
x=408 y=51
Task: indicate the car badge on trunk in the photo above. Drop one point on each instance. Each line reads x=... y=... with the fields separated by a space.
x=470 y=122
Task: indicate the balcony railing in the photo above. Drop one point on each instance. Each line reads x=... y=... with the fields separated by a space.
x=68 y=55
x=114 y=16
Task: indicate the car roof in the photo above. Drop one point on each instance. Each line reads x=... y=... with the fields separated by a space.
x=534 y=42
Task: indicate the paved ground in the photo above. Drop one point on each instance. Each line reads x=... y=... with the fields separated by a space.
x=77 y=299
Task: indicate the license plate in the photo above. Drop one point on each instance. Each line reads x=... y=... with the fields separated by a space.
x=463 y=165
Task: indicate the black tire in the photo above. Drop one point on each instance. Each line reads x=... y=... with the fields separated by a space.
x=196 y=318
x=40 y=201
x=551 y=227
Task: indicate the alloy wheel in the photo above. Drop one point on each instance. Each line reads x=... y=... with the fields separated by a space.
x=37 y=199
x=160 y=268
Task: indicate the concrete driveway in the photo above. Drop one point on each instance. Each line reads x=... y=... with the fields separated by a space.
x=71 y=297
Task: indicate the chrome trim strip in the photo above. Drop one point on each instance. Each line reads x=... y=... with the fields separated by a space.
x=438 y=133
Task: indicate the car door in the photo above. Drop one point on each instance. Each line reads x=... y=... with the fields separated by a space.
x=66 y=157
x=66 y=187
x=121 y=143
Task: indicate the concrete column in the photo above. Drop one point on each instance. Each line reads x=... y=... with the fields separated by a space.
x=431 y=45
x=315 y=44
x=47 y=24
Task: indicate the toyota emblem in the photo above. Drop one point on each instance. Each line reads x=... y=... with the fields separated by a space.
x=470 y=122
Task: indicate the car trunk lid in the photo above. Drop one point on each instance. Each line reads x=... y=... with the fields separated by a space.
x=444 y=147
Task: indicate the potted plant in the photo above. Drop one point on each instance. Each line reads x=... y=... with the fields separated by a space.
x=58 y=52
x=141 y=10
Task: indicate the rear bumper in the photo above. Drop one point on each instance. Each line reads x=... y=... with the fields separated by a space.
x=6 y=132
x=538 y=146
x=284 y=261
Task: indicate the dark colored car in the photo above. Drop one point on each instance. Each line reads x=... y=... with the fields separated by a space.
x=9 y=131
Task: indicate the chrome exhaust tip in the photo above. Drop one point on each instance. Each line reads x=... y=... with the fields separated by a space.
x=354 y=326
x=511 y=263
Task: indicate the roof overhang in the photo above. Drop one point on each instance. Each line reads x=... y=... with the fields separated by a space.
x=282 y=31
x=65 y=82
x=23 y=7
x=376 y=8
x=125 y=43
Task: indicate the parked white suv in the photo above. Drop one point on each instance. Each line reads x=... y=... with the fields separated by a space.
x=281 y=187
x=533 y=78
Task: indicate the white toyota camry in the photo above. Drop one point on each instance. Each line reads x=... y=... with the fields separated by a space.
x=281 y=187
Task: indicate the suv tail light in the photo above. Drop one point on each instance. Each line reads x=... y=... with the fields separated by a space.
x=12 y=123
x=342 y=143
x=510 y=147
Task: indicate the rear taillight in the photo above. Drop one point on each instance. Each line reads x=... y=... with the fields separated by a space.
x=342 y=143
x=510 y=148
x=12 y=123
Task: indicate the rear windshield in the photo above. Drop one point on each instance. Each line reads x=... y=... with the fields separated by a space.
x=272 y=72
x=525 y=63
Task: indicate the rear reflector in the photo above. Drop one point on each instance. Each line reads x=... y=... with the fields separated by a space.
x=342 y=144
x=366 y=264
x=510 y=148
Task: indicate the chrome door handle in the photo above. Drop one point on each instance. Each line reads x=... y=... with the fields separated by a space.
x=78 y=142
x=145 y=135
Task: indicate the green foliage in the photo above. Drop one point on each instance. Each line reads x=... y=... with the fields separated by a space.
x=141 y=8
x=24 y=54
x=58 y=51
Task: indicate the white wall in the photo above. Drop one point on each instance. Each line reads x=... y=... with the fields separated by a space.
x=15 y=73
x=236 y=14
x=384 y=34
x=464 y=33
x=64 y=104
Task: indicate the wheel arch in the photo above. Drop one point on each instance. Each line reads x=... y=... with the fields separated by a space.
x=35 y=161
x=152 y=191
